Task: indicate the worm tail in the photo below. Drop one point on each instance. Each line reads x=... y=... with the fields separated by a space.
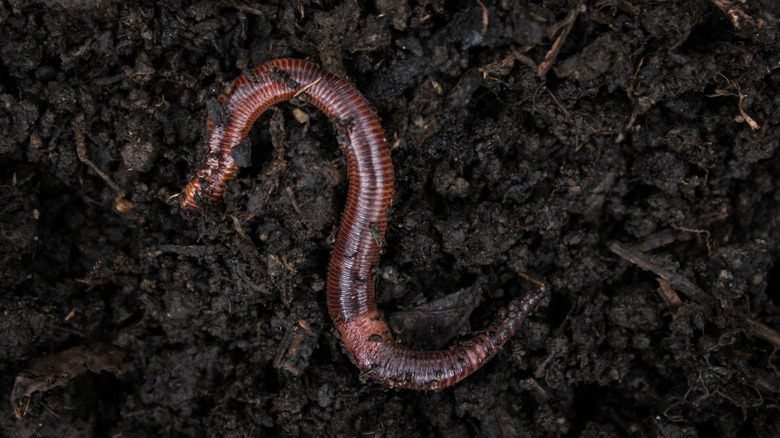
x=382 y=358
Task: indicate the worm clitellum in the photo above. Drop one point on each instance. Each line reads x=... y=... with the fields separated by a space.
x=351 y=300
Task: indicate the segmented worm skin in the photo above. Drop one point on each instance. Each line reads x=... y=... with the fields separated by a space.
x=360 y=237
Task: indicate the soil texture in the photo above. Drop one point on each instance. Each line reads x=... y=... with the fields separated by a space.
x=623 y=153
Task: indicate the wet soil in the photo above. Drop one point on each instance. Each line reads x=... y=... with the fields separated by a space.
x=623 y=153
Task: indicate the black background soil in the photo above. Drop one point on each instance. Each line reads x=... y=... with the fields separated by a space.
x=526 y=138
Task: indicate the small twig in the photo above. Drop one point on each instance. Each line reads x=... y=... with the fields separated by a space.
x=303 y=90
x=567 y=114
x=499 y=68
x=735 y=13
x=566 y=25
x=560 y=105
x=762 y=331
x=291 y=196
x=675 y=280
x=524 y=59
x=239 y=229
x=81 y=152
x=484 y=17
x=670 y=235
x=51 y=411
x=255 y=11
x=663 y=270
x=669 y=294
x=533 y=280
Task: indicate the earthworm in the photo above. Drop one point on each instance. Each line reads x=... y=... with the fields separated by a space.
x=360 y=238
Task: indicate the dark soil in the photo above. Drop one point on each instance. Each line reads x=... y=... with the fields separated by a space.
x=625 y=153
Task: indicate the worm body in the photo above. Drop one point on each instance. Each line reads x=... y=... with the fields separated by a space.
x=351 y=300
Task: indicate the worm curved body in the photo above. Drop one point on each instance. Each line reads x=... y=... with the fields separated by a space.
x=351 y=299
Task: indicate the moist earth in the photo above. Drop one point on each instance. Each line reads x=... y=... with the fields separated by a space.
x=624 y=154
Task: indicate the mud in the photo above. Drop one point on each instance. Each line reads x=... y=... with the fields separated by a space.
x=623 y=153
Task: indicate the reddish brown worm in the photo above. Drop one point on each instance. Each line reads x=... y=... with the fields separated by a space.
x=360 y=237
